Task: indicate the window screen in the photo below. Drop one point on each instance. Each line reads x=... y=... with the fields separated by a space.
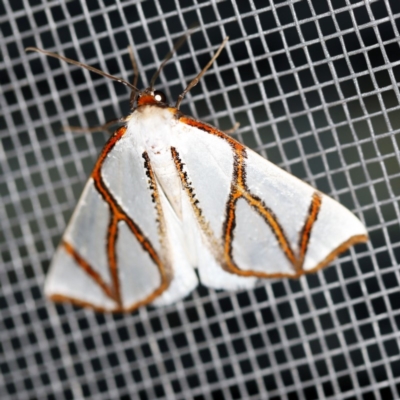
x=314 y=86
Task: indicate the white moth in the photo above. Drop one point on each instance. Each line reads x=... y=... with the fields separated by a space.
x=169 y=194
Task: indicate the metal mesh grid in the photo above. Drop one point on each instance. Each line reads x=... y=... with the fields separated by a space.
x=314 y=85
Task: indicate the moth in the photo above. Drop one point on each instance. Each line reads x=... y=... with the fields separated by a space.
x=169 y=194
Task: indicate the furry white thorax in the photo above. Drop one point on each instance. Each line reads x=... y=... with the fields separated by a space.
x=151 y=127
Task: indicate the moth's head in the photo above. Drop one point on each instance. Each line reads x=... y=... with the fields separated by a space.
x=150 y=96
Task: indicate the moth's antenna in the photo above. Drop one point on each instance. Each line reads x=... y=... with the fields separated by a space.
x=195 y=81
x=176 y=47
x=134 y=66
x=134 y=94
x=88 y=67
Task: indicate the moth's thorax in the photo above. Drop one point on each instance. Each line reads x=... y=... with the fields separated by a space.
x=154 y=125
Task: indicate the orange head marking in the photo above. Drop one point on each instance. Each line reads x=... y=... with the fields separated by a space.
x=149 y=97
x=146 y=99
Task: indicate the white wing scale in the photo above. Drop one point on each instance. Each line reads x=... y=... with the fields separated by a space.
x=254 y=243
x=207 y=262
x=335 y=226
x=184 y=278
x=66 y=278
x=139 y=277
x=67 y=281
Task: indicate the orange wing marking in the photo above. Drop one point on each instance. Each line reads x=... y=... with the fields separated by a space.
x=88 y=269
x=305 y=234
x=160 y=216
x=117 y=215
x=239 y=190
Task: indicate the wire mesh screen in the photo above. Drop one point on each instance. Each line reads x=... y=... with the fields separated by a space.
x=314 y=85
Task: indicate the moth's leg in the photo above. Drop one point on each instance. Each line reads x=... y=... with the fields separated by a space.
x=96 y=128
x=233 y=129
